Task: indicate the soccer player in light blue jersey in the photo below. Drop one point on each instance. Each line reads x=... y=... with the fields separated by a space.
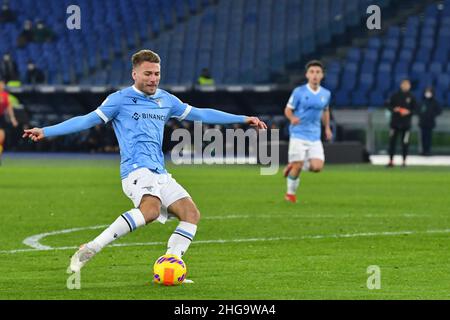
x=307 y=107
x=138 y=115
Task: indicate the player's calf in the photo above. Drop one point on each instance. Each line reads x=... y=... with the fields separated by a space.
x=180 y=240
x=296 y=168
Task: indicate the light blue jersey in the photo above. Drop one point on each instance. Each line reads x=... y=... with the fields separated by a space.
x=308 y=106
x=138 y=121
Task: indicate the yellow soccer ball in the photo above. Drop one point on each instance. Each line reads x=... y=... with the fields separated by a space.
x=169 y=270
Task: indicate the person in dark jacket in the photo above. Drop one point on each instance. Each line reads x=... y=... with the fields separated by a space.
x=429 y=110
x=8 y=68
x=34 y=74
x=402 y=105
x=26 y=35
x=6 y=14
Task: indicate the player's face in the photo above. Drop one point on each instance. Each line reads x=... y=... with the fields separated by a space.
x=146 y=77
x=314 y=75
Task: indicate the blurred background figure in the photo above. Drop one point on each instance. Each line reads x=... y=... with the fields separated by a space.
x=402 y=105
x=42 y=33
x=34 y=74
x=6 y=14
x=5 y=108
x=205 y=78
x=429 y=110
x=26 y=35
x=8 y=69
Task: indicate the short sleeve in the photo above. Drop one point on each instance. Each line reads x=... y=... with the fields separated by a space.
x=292 y=102
x=109 y=108
x=179 y=110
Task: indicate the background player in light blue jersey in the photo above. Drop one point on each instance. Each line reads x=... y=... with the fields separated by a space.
x=138 y=115
x=307 y=107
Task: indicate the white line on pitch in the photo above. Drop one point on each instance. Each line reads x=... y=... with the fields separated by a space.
x=35 y=240
x=307 y=237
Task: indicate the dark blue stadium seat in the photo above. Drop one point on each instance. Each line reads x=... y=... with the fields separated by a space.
x=354 y=55
x=377 y=98
x=359 y=98
x=417 y=69
x=331 y=80
x=374 y=43
x=366 y=82
x=409 y=43
x=388 y=55
x=443 y=82
x=436 y=68
x=342 y=99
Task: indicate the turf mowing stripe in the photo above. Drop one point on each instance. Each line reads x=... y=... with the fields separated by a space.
x=310 y=237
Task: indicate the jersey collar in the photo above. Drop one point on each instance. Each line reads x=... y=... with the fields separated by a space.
x=310 y=89
x=144 y=94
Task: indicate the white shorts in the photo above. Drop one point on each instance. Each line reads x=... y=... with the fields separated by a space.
x=143 y=181
x=301 y=150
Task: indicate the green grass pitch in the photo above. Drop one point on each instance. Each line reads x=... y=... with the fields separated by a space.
x=348 y=218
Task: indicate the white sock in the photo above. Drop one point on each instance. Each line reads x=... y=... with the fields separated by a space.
x=292 y=184
x=181 y=238
x=125 y=223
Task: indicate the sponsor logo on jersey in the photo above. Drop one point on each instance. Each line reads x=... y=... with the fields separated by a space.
x=136 y=116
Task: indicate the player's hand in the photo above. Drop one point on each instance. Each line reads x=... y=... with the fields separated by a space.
x=255 y=122
x=295 y=121
x=328 y=134
x=35 y=134
x=14 y=123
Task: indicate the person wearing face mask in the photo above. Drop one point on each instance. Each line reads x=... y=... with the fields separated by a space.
x=402 y=106
x=429 y=110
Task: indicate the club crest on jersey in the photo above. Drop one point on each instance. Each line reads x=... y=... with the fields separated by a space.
x=322 y=99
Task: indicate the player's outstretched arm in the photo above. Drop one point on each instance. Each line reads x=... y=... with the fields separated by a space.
x=289 y=113
x=212 y=116
x=69 y=126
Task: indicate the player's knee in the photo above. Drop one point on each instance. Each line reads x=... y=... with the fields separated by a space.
x=315 y=168
x=193 y=216
x=150 y=214
x=150 y=207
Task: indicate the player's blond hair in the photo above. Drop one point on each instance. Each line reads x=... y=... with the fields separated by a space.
x=144 y=55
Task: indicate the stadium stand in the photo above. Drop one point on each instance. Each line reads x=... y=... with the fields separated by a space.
x=239 y=41
x=74 y=55
x=418 y=49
